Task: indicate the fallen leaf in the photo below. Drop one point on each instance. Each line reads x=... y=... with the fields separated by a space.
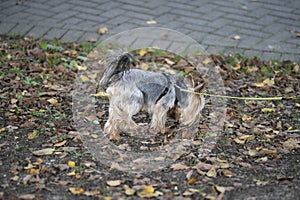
x=129 y=191
x=246 y=118
x=290 y=144
x=76 y=190
x=236 y=37
x=268 y=110
x=220 y=189
x=148 y=192
x=32 y=135
x=100 y=94
x=206 y=61
x=151 y=22
x=84 y=78
x=296 y=68
x=169 y=62
x=269 y=81
x=71 y=163
x=227 y=173
x=53 y=101
x=144 y=66
x=113 y=183
x=102 y=30
x=192 y=180
x=212 y=172
x=46 y=151
x=27 y=196
x=143 y=51
x=59 y=144
x=179 y=166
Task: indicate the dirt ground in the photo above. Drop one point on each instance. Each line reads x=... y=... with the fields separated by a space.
x=44 y=156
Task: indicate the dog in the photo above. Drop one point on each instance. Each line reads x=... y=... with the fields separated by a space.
x=132 y=90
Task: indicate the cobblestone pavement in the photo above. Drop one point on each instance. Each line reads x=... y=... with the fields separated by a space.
x=266 y=28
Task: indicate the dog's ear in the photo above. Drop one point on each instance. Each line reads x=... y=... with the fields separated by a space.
x=200 y=87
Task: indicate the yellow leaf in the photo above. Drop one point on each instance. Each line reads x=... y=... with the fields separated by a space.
x=296 y=68
x=102 y=30
x=53 y=101
x=212 y=172
x=59 y=144
x=260 y=84
x=268 y=110
x=192 y=180
x=32 y=135
x=9 y=56
x=144 y=66
x=148 y=192
x=2 y=130
x=237 y=140
x=74 y=53
x=113 y=183
x=15 y=178
x=79 y=67
x=100 y=94
x=84 y=78
x=39 y=161
x=151 y=22
x=143 y=51
x=246 y=118
x=33 y=171
x=42 y=110
x=206 y=61
x=107 y=198
x=72 y=173
x=76 y=190
x=71 y=163
x=93 y=76
x=269 y=81
x=237 y=66
x=46 y=151
x=129 y=191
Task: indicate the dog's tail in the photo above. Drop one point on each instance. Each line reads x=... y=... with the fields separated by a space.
x=115 y=65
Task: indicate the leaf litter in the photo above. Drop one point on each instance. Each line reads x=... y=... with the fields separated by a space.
x=258 y=150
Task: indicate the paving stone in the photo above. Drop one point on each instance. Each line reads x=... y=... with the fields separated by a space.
x=61 y=7
x=38 y=31
x=162 y=44
x=6 y=27
x=215 y=49
x=21 y=29
x=264 y=26
x=143 y=42
x=91 y=11
x=72 y=36
x=271 y=55
x=113 y=13
x=55 y=33
x=252 y=53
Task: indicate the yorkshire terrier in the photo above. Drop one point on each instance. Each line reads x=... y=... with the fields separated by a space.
x=131 y=90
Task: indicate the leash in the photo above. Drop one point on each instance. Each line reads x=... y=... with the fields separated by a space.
x=240 y=98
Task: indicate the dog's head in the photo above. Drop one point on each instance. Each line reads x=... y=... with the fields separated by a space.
x=113 y=67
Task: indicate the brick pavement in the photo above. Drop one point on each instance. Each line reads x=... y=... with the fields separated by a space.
x=267 y=28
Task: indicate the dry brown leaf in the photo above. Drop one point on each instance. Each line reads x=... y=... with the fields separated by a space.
x=32 y=135
x=59 y=144
x=129 y=191
x=46 y=151
x=212 y=172
x=27 y=196
x=192 y=180
x=113 y=183
x=179 y=166
x=102 y=30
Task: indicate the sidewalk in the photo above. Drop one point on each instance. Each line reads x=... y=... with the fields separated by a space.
x=267 y=28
